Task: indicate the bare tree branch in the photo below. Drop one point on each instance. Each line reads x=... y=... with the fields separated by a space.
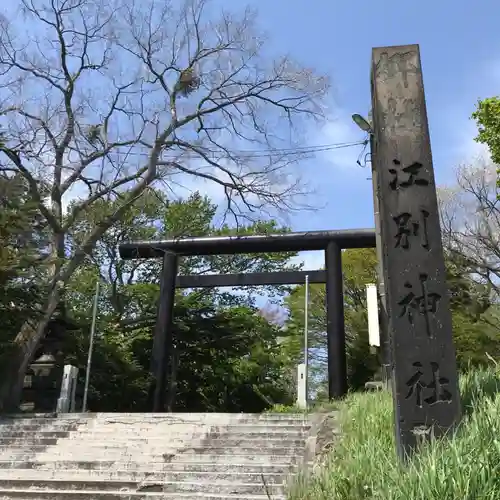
x=470 y=220
x=100 y=100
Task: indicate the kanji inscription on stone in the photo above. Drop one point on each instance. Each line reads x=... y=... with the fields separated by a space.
x=420 y=302
x=409 y=227
x=403 y=177
x=424 y=372
x=430 y=390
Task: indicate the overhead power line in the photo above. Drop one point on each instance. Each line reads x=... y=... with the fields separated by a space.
x=302 y=148
x=248 y=153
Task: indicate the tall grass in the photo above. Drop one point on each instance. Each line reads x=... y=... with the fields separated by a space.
x=364 y=465
x=320 y=407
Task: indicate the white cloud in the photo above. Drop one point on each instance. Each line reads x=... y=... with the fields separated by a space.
x=339 y=130
x=469 y=149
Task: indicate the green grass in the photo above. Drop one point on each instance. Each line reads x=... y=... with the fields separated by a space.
x=320 y=407
x=465 y=466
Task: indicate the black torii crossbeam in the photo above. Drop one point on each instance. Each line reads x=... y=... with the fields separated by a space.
x=331 y=242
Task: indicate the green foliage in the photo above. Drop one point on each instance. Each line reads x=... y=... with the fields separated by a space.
x=281 y=408
x=316 y=407
x=487 y=116
x=359 y=269
x=475 y=320
x=363 y=464
x=21 y=233
x=117 y=382
x=476 y=340
x=467 y=295
x=227 y=355
x=228 y=359
x=475 y=317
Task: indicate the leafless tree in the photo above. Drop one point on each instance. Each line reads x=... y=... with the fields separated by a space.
x=470 y=221
x=103 y=99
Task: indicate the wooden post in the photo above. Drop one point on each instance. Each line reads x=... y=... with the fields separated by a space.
x=424 y=371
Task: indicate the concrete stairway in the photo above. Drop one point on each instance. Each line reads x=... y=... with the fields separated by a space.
x=152 y=456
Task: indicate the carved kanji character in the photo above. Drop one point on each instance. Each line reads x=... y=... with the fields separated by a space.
x=434 y=389
x=424 y=304
x=407 y=227
x=406 y=176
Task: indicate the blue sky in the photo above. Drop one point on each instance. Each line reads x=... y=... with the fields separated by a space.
x=460 y=50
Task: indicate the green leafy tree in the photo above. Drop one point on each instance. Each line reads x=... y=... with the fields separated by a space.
x=359 y=268
x=129 y=286
x=216 y=332
x=198 y=90
x=21 y=235
x=470 y=219
x=226 y=358
x=474 y=316
x=487 y=116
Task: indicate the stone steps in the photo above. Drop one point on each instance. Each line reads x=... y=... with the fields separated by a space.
x=148 y=454
x=142 y=427
x=43 y=421
x=273 y=477
x=32 y=423
x=111 y=467
x=268 y=440
x=156 y=432
x=158 y=460
x=178 y=427
x=34 y=435
x=220 y=486
x=151 y=456
x=184 y=416
x=158 y=447
x=118 y=495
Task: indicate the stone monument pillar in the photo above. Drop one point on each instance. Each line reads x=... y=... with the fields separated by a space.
x=66 y=401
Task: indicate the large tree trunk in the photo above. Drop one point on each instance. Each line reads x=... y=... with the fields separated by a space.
x=17 y=360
